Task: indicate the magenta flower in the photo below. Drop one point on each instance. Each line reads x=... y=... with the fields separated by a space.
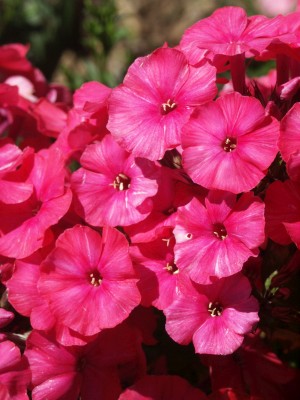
x=239 y=33
x=147 y=112
x=230 y=143
x=14 y=373
x=93 y=371
x=289 y=141
x=158 y=273
x=12 y=190
x=25 y=297
x=25 y=226
x=113 y=188
x=215 y=317
x=95 y=270
x=215 y=239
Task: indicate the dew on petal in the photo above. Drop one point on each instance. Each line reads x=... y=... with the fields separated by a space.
x=95 y=278
x=121 y=182
x=219 y=231
x=167 y=107
x=229 y=144
x=215 y=309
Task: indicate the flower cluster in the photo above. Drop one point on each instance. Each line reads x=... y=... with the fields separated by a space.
x=164 y=210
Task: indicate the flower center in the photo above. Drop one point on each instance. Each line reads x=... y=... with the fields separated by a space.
x=229 y=144
x=215 y=309
x=170 y=105
x=95 y=278
x=121 y=182
x=220 y=231
x=36 y=208
x=171 y=267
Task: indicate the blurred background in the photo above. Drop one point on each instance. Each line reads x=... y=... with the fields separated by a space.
x=74 y=41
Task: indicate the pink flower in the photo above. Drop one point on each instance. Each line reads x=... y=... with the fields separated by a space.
x=162 y=387
x=93 y=371
x=289 y=141
x=95 y=270
x=215 y=239
x=24 y=227
x=229 y=144
x=239 y=33
x=12 y=190
x=113 y=188
x=215 y=317
x=14 y=373
x=147 y=112
x=5 y=317
x=159 y=275
x=86 y=121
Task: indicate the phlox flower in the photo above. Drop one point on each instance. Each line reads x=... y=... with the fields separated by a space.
x=93 y=270
x=214 y=239
x=159 y=275
x=162 y=387
x=26 y=299
x=94 y=371
x=14 y=372
x=283 y=212
x=159 y=92
x=12 y=190
x=5 y=317
x=229 y=144
x=112 y=187
x=239 y=33
x=24 y=226
x=215 y=317
x=86 y=121
x=254 y=368
x=289 y=141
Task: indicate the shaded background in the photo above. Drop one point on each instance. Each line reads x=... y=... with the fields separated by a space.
x=74 y=41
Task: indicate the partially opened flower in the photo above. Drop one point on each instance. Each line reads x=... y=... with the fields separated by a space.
x=215 y=239
x=93 y=270
x=215 y=317
x=229 y=144
x=148 y=111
